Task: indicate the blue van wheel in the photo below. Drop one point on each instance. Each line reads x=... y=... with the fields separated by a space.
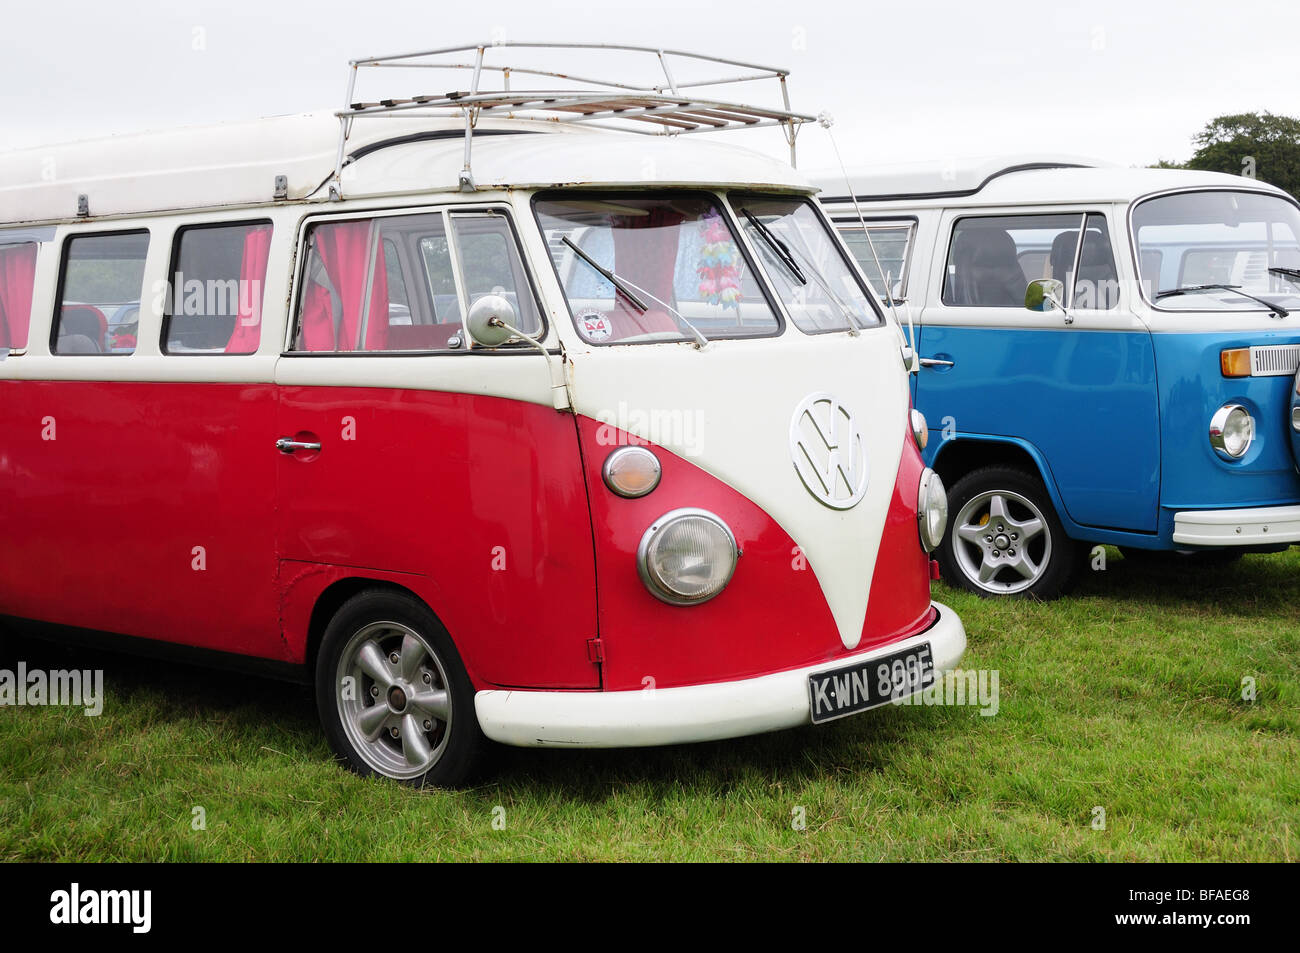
x=1005 y=538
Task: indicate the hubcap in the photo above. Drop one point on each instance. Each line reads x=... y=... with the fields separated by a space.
x=1001 y=542
x=392 y=695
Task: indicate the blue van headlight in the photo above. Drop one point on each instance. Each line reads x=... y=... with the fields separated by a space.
x=1232 y=430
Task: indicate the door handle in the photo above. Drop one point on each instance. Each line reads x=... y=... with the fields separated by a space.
x=288 y=445
x=935 y=362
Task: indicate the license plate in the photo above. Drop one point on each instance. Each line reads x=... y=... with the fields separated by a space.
x=870 y=684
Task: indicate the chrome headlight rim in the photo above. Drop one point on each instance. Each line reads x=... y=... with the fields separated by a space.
x=651 y=581
x=931 y=494
x=920 y=428
x=624 y=453
x=1218 y=432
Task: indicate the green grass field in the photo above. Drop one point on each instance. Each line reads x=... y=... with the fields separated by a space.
x=1127 y=697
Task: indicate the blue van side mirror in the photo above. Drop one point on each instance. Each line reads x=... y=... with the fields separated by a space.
x=1044 y=294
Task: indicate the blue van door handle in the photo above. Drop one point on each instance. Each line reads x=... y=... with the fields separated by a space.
x=935 y=362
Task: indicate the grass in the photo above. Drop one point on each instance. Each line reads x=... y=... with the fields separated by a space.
x=1126 y=696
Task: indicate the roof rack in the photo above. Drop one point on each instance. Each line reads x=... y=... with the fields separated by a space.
x=669 y=108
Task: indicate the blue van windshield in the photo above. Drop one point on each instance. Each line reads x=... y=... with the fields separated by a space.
x=1218 y=250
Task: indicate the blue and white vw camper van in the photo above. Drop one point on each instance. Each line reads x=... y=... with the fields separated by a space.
x=1105 y=355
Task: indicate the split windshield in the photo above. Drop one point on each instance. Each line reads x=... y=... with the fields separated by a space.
x=1220 y=251
x=670 y=267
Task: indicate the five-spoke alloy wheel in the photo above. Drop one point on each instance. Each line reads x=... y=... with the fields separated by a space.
x=393 y=695
x=1005 y=539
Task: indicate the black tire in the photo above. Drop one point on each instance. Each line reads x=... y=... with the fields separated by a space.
x=1052 y=562
x=369 y=629
x=1183 y=558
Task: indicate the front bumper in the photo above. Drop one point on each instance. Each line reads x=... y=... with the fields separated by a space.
x=665 y=716
x=1253 y=526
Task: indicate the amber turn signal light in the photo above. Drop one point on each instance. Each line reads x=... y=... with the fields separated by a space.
x=1235 y=362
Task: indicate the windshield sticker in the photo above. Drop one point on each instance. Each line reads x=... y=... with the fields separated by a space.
x=594 y=325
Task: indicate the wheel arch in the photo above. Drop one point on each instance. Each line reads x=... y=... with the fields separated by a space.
x=333 y=597
x=963 y=453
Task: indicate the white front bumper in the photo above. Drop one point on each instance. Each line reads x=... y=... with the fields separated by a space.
x=1254 y=526
x=662 y=716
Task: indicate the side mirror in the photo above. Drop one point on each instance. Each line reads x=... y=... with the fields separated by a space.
x=1044 y=294
x=491 y=321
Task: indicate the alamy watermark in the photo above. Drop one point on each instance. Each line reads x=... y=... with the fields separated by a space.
x=960 y=687
x=77 y=688
x=679 y=430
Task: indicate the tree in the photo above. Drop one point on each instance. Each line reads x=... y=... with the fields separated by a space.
x=1259 y=145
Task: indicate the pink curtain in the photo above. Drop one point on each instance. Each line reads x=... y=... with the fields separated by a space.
x=343 y=249
x=17 y=278
x=252 y=281
x=645 y=253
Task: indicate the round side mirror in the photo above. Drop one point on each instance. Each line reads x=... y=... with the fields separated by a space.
x=1044 y=294
x=491 y=321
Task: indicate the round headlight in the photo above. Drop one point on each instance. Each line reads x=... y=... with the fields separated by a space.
x=920 y=429
x=1295 y=417
x=1232 y=429
x=687 y=557
x=931 y=510
x=631 y=471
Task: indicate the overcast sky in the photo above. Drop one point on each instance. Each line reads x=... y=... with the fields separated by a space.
x=1127 y=81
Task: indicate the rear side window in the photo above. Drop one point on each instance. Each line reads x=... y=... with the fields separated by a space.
x=17 y=281
x=402 y=283
x=101 y=281
x=218 y=279
x=890 y=245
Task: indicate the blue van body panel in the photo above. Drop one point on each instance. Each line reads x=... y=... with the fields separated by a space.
x=1295 y=416
x=1092 y=534
x=1084 y=400
x=1192 y=388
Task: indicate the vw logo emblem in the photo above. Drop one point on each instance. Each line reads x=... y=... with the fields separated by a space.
x=828 y=452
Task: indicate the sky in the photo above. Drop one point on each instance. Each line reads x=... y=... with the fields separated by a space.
x=1129 y=82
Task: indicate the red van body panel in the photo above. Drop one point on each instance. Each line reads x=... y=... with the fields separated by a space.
x=771 y=617
x=479 y=505
x=142 y=508
x=478 y=501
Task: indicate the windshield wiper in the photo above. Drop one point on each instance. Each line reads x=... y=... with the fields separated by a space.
x=625 y=288
x=786 y=256
x=1288 y=273
x=1277 y=309
x=779 y=247
x=619 y=285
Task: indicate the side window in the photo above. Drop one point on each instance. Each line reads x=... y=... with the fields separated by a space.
x=17 y=282
x=102 y=280
x=892 y=243
x=1096 y=285
x=389 y=284
x=490 y=264
x=399 y=308
x=435 y=255
x=992 y=259
x=217 y=285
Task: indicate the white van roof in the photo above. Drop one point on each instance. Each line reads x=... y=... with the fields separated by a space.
x=236 y=164
x=1016 y=179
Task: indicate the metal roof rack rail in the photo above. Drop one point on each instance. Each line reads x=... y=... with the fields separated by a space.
x=668 y=108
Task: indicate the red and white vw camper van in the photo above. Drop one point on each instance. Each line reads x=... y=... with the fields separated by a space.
x=491 y=419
